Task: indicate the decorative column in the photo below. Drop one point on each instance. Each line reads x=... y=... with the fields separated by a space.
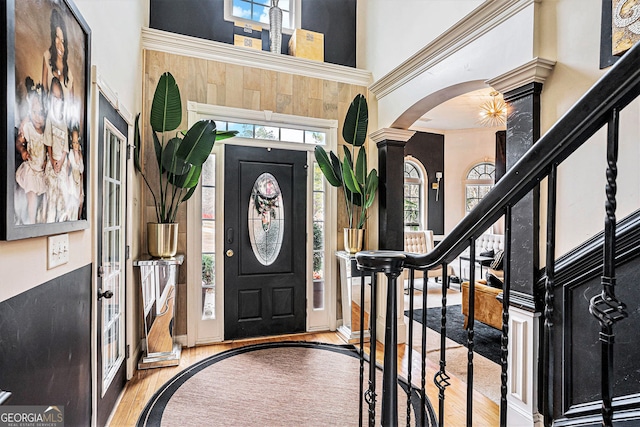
x=521 y=88
x=390 y=144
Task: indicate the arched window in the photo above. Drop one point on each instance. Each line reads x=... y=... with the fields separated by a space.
x=480 y=180
x=413 y=195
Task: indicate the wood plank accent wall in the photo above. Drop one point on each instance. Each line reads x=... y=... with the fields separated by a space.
x=219 y=83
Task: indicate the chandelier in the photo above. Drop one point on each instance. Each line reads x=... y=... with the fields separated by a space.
x=493 y=113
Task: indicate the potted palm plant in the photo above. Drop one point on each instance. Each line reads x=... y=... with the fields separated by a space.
x=358 y=185
x=179 y=157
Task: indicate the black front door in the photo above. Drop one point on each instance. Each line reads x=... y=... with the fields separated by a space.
x=265 y=241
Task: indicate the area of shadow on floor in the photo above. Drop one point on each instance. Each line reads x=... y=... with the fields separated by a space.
x=487 y=373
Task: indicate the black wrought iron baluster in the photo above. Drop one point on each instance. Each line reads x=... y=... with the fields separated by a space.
x=441 y=378
x=423 y=375
x=548 y=358
x=506 y=296
x=470 y=325
x=362 y=310
x=605 y=306
x=410 y=343
x=370 y=395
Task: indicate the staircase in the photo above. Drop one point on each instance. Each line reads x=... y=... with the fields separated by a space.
x=588 y=365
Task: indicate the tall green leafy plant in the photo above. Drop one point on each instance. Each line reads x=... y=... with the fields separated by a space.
x=359 y=185
x=179 y=156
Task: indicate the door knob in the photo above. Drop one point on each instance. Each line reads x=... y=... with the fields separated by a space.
x=105 y=294
x=229 y=253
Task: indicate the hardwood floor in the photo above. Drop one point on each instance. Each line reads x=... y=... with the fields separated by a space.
x=145 y=382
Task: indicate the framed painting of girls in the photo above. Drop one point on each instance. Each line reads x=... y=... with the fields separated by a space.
x=44 y=187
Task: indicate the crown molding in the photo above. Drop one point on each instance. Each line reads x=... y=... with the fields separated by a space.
x=535 y=71
x=194 y=47
x=391 y=134
x=479 y=22
x=265 y=116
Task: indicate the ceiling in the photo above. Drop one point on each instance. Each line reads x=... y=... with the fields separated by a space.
x=461 y=112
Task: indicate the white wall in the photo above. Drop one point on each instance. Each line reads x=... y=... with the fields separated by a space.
x=115 y=39
x=462 y=150
x=116 y=49
x=390 y=31
x=581 y=179
x=480 y=60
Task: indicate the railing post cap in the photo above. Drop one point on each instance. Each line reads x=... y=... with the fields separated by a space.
x=381 y=261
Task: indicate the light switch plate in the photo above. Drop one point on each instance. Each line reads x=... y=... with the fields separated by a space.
x=57 y=250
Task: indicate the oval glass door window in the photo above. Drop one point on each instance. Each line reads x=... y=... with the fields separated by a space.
x=266 y=219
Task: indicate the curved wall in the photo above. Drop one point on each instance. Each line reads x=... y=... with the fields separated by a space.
x=480 y=60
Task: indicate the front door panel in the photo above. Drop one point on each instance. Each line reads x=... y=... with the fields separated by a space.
x=265 y=241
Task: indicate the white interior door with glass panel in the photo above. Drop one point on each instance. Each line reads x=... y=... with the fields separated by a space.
x=111 y=226
x=205 y=320
x=112 y=260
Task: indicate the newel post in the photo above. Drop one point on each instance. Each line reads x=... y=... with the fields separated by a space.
x=391 y=264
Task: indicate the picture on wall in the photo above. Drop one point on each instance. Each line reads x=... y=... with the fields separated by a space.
x=625 y=26
x=46 y=121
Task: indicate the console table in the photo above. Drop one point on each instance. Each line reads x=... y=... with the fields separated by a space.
x=158 y=280
x=350 y=282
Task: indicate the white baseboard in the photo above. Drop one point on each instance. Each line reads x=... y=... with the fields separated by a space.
x=517 y=418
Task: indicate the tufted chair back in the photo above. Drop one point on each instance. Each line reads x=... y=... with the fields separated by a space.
x=487 y=242
x=419 y=242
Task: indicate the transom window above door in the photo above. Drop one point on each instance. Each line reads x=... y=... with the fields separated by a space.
x=274 y=132
x=257 y=11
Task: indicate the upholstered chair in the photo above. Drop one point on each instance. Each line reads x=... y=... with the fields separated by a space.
x=421 y=242
x=487 y=306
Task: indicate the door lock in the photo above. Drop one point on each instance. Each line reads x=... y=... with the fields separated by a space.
x=229 y=253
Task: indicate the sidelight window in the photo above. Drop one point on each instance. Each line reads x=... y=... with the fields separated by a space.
x=208 y=178
x=318 y=237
